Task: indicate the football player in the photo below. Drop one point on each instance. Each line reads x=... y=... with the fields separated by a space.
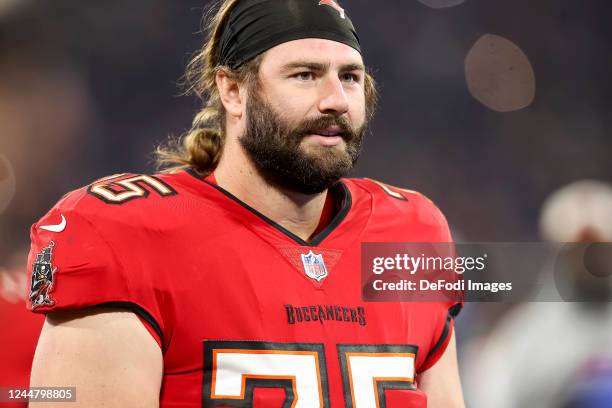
x=232 y=278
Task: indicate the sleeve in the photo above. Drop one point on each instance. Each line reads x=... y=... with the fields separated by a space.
x=445 y=312
x=444 y=329
x=73 y=267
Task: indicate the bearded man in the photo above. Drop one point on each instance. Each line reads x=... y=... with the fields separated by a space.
x=232 y=277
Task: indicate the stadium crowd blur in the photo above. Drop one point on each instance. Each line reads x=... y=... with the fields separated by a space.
x=487 y=107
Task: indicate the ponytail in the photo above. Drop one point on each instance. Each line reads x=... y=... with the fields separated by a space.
x=200 y=149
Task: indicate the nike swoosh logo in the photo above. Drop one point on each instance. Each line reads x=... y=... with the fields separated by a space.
x=55 y=228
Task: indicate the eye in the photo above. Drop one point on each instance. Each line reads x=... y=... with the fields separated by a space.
x=348 y=77
x=304 y=76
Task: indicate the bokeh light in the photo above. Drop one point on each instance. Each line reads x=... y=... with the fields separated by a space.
x=7 y=183
x=11 y=6
x=499 y=74
x=438 y=4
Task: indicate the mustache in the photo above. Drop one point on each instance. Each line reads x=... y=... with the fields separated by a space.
x=309 y=126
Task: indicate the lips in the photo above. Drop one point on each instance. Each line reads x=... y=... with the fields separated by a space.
x=328 y=132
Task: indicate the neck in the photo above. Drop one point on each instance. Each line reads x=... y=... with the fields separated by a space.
x=296 y=212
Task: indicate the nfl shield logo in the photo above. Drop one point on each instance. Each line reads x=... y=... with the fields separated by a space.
x=314 y=266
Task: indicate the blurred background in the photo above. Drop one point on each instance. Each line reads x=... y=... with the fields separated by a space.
x=487 y=107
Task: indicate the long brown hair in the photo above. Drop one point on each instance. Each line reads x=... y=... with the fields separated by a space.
x=201 y=147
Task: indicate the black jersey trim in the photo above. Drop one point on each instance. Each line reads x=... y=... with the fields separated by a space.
x=452 y=312
x=137 y=309
x=455 y=309
x=340 y=187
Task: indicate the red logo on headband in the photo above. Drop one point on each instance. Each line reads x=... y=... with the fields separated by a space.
x=333 y=4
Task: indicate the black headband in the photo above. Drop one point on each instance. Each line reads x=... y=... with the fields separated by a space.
x=255 y=26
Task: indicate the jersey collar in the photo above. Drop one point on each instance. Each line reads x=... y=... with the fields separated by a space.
x=339 y=191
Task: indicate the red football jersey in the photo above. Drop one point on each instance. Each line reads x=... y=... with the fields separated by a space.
x=245 y=312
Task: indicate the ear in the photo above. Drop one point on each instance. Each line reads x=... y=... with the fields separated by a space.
x=229 y=92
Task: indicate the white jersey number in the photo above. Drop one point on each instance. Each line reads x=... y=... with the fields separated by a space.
x=233 y=369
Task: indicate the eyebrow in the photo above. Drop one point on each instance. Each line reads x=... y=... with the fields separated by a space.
x=317 y=66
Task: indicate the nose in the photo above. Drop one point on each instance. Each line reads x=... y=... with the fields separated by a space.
x=333 y=98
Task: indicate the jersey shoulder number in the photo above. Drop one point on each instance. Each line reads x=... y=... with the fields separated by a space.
x=398 y=193
x=121 y=188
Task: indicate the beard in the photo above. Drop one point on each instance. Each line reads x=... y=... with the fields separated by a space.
x=273 y=144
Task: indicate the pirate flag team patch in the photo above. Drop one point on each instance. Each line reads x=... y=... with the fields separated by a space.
x=43 y=273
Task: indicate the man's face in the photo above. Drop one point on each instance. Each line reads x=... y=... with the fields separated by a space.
x=306 y=116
